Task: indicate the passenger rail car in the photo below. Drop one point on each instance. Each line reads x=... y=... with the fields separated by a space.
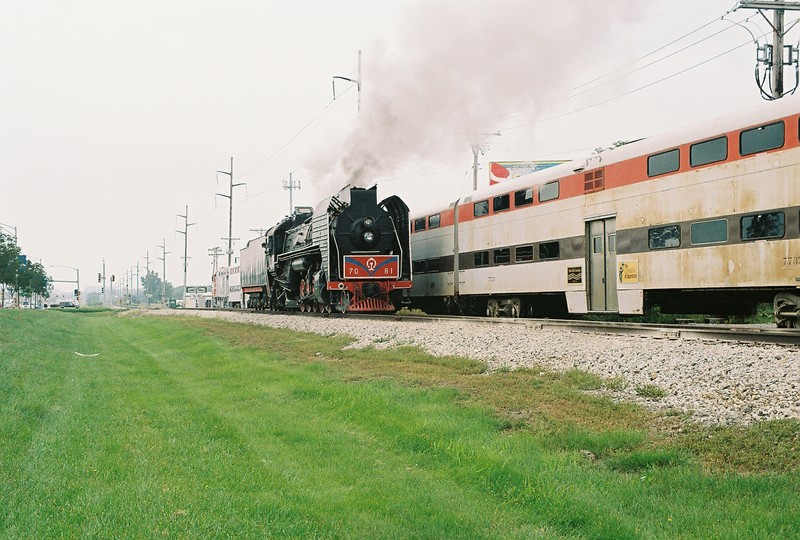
x=227 y=288
x=701 y=220
x=349 y=254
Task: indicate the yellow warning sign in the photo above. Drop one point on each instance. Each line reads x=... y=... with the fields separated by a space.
x=629 y=272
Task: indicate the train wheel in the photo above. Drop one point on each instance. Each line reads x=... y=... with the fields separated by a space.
x=786 y=310
x=492 y=308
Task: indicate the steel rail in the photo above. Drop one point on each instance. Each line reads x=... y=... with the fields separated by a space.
x=749 y=334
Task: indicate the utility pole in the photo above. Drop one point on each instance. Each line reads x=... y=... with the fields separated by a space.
x=147 y=276
x=774 y=56
x=476 y=148
x=229 y=196
x=163 y=260
x=215 y=252
x=137 y=282
x=356 y=81
x=104 y=283
x=185 y=233
x=291 y=185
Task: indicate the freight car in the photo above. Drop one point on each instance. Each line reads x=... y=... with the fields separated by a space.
x=701 y=220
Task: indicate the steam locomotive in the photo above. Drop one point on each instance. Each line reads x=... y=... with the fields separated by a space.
x=350 y=254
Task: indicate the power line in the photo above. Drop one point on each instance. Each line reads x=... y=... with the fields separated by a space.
x=572 y=92
x=287 y=143
x=614 y=98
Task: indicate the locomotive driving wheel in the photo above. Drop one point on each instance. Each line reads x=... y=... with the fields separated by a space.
x=786 y=307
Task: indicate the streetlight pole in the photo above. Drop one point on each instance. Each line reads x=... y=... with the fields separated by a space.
x=357 y=81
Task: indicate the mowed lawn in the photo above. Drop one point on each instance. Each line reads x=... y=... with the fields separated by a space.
x=181 y=427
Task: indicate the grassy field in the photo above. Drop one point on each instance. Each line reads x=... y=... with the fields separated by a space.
x=191 y=428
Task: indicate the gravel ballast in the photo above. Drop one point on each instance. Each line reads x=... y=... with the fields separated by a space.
x=715 y=382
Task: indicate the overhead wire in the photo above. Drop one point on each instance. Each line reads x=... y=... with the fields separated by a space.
x=305 y=127
x=640 y=88
x=571 y=93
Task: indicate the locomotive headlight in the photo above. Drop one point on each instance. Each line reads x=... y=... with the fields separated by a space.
x=369 y=237
x=368 y=223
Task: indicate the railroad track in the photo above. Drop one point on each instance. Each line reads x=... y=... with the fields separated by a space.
x=757 y=335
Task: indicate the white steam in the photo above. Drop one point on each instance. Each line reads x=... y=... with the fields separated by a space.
x=463 y=66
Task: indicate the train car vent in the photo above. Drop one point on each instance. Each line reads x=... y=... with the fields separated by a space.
x=594 y=181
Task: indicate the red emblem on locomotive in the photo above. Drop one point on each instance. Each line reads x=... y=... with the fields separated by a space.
x=371 y=266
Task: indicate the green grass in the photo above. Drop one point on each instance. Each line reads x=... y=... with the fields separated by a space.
x=194 y=428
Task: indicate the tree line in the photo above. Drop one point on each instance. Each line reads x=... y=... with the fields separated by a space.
x=20 y=276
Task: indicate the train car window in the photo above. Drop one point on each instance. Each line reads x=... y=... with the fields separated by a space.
x=482 y=258
x=420 y=267
x=548 y=192
x=612 y=243
x=664 y=237
x=501 y=203
x=594 y=181
x=761 y=226
x=433 y=265
x=419 y=224
x=761 y=139
x=502 y=256
x=663 y=163
x=707 y=152
x=523 y=197
x=549 y=250
x=597 y=244
x=524 y=254
x=434 y=221
x=481 y=208
x=710 y=232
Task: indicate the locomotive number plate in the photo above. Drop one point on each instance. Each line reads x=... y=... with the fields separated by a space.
x=371 y=266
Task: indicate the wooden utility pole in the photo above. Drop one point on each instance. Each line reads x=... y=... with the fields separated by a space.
x=773 y=57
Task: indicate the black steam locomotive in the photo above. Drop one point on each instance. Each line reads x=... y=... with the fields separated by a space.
x=350 y=254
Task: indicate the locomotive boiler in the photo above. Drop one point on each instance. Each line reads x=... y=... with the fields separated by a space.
x=349 y=254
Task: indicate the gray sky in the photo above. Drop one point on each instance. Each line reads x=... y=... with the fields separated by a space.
x=116 y=115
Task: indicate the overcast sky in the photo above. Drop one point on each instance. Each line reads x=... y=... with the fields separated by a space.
x=114 y=116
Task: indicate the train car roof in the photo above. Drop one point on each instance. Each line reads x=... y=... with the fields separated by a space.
x=750 y=117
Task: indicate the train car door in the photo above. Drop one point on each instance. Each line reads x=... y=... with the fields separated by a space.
x=601 y=261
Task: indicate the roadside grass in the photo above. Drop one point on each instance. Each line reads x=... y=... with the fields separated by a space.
x=197 y=428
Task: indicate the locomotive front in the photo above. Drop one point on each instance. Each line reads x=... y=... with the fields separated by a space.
x=368 y=259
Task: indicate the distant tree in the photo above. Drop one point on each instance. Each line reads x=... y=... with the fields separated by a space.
x=152 y=285
x=9 y=251
x=33 y=280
